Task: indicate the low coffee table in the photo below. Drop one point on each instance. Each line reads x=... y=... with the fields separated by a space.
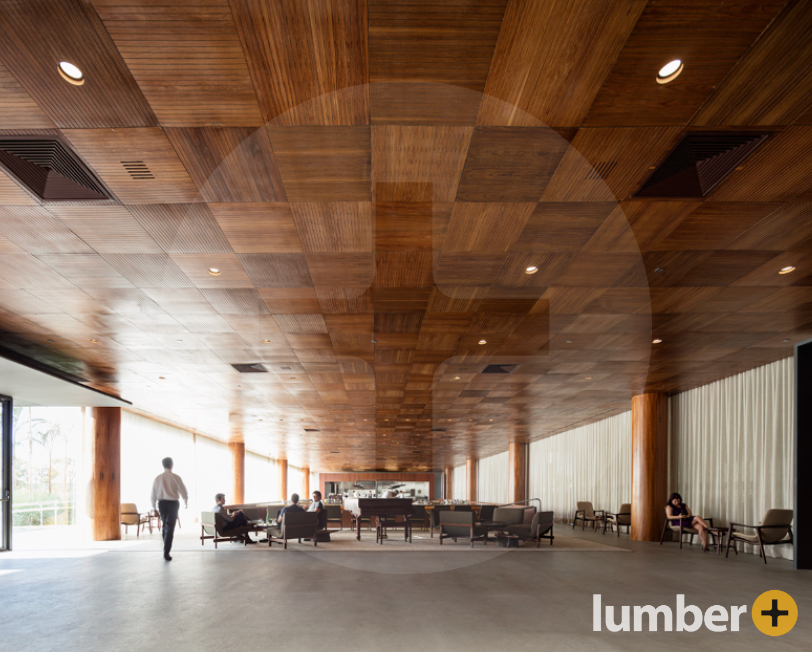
x=507 y=540
x=718 y=537
x=491 y=526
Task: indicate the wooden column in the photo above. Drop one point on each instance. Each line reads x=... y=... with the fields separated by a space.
x=448 y=478
x=649 y=465
x=237 y=449
x=470 y=479
x=283 y=478
x=517 y=474
x=105 y=483
x=306 y=485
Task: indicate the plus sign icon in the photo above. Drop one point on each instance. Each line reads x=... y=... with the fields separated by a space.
x=775 y=613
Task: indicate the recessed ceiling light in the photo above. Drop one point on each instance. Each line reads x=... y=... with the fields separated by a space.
x=659 y=270
x=161 y=377
x=266 y=341
x=531 y=270
x=483 y=341
x=374 y=341
x=787 y=340
x=670 y=71
x=214 y=271
x=94 y=341
x=569 y=341
x=787 y=269
x=656 y=341
x=71 y=73
x=589 y=377
x=456 y=377
x=51 y=341
x=179 y=341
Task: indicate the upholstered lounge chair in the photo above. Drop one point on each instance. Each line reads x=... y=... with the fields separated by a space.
x=674 y=523
x=509 y=515
x=541 y=527
x=775 y=529
x=131 y=516
x=334 y=515
x=618 y=519
x=295 y=525
x=434 y=514
x=212 y=527
x=460 y=525
x=586 y=514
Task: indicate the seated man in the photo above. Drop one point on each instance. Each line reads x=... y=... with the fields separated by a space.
x=276 y=531
x=235 y=520
x=318 y=506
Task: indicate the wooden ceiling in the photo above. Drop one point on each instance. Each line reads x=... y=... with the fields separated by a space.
x=372 y=178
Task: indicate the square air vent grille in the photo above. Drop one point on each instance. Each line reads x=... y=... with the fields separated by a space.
x=255 y=368
x=699 y=163
x=50 y=170
x=499 y=368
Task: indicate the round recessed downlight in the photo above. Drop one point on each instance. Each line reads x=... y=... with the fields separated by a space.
x=670 y=71
x=214 y=271
x=456 y=377
x=531 y=270
x=483 y=341
x=94 y=341
x=656 y=341
x=71 y=73
x=787 y=269
x=266 y=341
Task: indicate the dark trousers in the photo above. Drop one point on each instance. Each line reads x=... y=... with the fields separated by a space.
x=239 y=521
x=168 y=509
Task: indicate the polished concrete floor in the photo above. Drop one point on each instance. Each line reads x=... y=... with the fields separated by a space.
x=129 y=599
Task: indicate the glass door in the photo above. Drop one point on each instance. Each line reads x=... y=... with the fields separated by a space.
x=5 y=474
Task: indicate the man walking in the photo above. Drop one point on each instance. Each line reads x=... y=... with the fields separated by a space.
x=167 y=490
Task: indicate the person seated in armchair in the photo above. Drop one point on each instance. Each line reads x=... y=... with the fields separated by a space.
x=235 y=520
x=675 y=507
x=294 y=506
x=318 y=506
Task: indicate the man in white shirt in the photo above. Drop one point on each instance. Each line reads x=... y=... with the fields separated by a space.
x=167 y=490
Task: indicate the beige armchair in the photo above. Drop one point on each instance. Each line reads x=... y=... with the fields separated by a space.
x=131 y=516
x=585 y=513
x=623 y=517
x=674 y=523
x=775 y=529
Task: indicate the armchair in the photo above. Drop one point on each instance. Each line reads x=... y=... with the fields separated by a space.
x=585 y=513
x=680 y=528
x=541 y=527
x=295 y=525
x=131 y=516
x=775 y=529
x=623 y=517
x=212 y=526
x=460 y=525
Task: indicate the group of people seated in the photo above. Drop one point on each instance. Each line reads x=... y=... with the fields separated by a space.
x=237 y=518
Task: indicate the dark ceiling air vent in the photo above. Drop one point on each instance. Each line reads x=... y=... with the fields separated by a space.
x=137 y=170
x=439 y=429
x=50 y=170
x=255 y=368
x=312 y=430
x=699 y=163
x=499 y=368
x=601 y=170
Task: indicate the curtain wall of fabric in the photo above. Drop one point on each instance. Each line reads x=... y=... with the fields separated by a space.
x=459 y=484
x=296 y=482
x=261 y=479
x=589 y=463
x=492 y=478
x=732 y=452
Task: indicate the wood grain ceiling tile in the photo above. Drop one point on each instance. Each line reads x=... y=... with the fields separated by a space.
x=236 y=301
x=695 y=31
x=301 y=324
x=107 y=229
x=24 y=303
x=17 y=109
x=71 y=300
x=767 y=274
x=196 y=268
x=406 y=269
x=149 y=270
x=400 y=299
x=335 y=301
x=552 y=58
x=308 y=59
x=107 y=150
x=233 y=164
x=258 y=228
x=485 y=227
x=510 y=164
x=514 y=271
x=569 y=300
x=187 y=58
x=468 y=269
x=402 y=156
x=8 y=247
x=604 y=165
x=456 y=299
x=323 y=163
x=36 y=231
x=772 y=83
x=86 y=270
x=345 y=227
x=182 y=228
x=561 y=227
x=12 y=194
x=603 y=269
x=40 y=34
x=342 y=269
x=403 y=226
x=722 y=268
x=291 y=301
x=277 y=270
x=414 y=103
x=779 y=170
x=180 y=300
x=788 y=227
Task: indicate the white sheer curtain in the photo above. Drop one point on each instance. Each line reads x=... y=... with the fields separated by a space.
x=591 y=463
x=492 y=478
x=144 y=443
x=261 y=479
x=296 y=482
x=459 y=485
x=732 y=449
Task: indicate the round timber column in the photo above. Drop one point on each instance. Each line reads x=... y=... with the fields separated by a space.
x=283 y=478
x=306 y=482
x=237 y=449
x=448 y=477
x=105 y=484
x=470 y=478
x=517 y=478
x=649 y=465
